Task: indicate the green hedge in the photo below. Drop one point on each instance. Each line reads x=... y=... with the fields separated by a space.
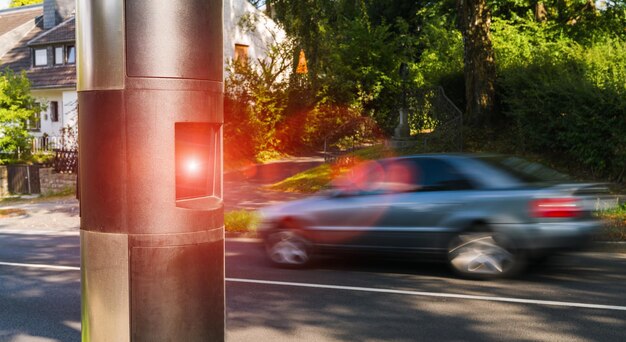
x=564 y=98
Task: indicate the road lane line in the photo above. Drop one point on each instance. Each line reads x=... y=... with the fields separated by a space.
x=431 y=294
x=370 y=289
x=49 y=267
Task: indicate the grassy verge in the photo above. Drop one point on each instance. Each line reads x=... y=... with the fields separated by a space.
x=241 y=221
x=614 y=224
x=11 y=212
x=308 y=181
x=319 y=177
x=69 y=191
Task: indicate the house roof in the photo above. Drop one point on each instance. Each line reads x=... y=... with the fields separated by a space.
x=62 y=33
x=19 y=58
x=53 y=77
x=14 y=18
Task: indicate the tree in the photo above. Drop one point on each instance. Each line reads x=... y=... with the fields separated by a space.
x=17 y=107
x=480 y=67
x=19 y=3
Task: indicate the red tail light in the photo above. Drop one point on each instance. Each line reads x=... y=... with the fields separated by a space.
x=556 y=208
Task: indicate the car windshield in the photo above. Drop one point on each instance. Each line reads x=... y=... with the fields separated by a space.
x=523 y=170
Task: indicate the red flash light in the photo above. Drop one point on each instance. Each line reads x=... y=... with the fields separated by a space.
x=195 y=154
x=192 y=166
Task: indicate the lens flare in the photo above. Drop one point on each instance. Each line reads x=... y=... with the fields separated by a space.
x=192 y=166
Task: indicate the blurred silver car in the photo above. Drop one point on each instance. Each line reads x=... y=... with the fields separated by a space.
x=487 y=214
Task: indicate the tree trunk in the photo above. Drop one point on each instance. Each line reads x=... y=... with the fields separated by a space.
x=541 y=14
x=480 y=69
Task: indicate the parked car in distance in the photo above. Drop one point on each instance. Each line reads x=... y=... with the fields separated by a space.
x=486 y=214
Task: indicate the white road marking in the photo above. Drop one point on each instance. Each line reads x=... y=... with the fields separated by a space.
x=432 y=294
x=41 y=266
x=370 y=289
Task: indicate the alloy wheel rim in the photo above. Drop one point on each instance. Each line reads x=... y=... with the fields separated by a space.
x=481 y=254
x=288 y=250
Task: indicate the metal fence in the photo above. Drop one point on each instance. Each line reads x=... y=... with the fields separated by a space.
x=65 y=161
x=47 y=143
x=448 y=123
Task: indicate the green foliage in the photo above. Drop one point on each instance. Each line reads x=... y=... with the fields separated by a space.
x=17 y=107
x=563 y=96
x=19 y=3
x=560 y=85
x=43 y=157
x=255 y=103
x=241 y=221
x=614 y=223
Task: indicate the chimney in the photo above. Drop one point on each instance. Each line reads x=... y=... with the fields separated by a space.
x=56 y=11
x=49 y=14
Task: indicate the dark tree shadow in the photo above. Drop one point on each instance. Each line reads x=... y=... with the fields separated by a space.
x=360 y=316
x=41 y=303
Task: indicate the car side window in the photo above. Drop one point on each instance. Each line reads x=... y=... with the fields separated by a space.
x=439 y=175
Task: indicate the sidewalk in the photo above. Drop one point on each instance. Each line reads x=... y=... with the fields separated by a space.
x=55 y=216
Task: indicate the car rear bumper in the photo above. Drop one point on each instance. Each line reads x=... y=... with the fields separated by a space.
x=556 y=235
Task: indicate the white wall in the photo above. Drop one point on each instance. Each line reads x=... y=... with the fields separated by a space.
x=70 y=108
x=67 y=99
x=266 y=31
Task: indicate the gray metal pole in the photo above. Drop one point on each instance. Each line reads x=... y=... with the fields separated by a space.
x=150 y=92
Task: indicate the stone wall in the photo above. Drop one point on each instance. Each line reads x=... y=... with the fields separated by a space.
x=52 y=182
x=4 y=182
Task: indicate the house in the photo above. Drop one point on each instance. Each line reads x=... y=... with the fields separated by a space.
x=40 y=39
x=44 y=46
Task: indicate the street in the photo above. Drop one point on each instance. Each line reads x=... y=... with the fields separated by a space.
x=572 y=298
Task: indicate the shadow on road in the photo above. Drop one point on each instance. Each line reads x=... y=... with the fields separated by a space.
x=39 y=303
x=359 y=316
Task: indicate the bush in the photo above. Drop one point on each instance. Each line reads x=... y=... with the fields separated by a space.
x=564 y=98
x=43 y=157
x=241 y=221
x=17 y=108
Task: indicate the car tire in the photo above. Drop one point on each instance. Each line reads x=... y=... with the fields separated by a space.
x=288 y=249
x=484 y=254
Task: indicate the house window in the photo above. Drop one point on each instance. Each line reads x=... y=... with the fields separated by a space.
x=58 y=55
x=34 y=123
x=54 y=111
x=241 y=53
x=71 y=54
x=41 y=57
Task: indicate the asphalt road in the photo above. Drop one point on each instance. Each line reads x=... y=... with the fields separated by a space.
x=340 y=299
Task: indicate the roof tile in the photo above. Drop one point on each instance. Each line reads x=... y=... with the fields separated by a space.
x=19 y=58
x=10 y=20
x=62 y=33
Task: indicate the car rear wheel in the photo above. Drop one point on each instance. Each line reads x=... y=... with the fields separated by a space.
x=286 y=248
x=483 y=255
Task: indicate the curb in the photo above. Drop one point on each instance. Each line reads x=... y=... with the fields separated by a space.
x=607 y=247
x=241 y=235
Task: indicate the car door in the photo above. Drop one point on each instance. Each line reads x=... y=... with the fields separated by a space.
x=393 y=204
x=415 y=212
x=349 y=216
